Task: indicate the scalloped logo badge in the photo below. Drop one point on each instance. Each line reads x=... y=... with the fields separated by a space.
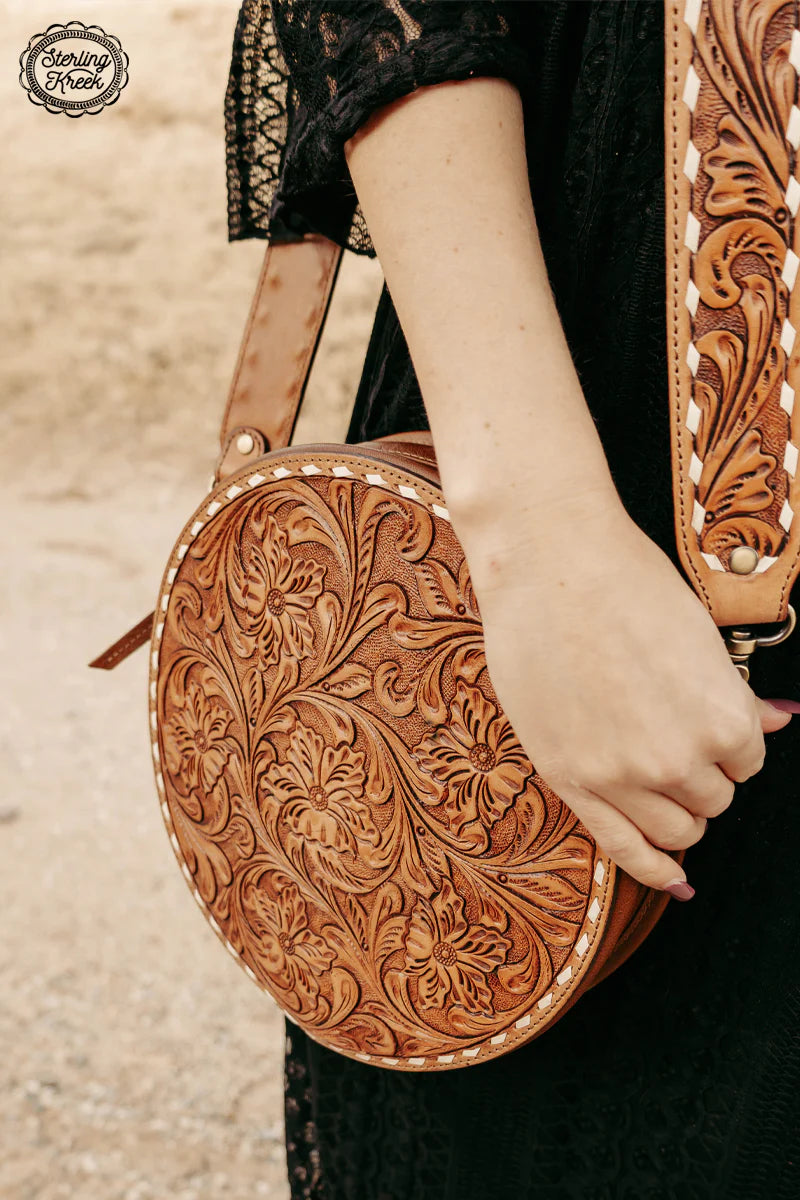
x=73 y=69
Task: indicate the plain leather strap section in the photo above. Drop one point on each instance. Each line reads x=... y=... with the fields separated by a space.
x=132 y=640
x=280 y=340
x=732 y=305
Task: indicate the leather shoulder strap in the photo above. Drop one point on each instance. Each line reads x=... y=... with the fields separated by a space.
x=732 y=128
x=280 y=340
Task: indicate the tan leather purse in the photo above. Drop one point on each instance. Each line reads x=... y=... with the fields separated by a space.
x=348 y=802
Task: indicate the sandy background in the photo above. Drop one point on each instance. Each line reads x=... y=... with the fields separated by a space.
x=137 y=1060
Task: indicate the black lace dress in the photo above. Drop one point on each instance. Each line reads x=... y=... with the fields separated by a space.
x=680 y=1076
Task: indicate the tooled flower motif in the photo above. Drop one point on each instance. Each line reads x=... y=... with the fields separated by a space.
x=195 y=740
x=476 y=758
x=277 y=593
x=294 y=955
x=451 y=958
x=319 y=788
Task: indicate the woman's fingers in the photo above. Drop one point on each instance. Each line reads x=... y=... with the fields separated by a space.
x=744 y=756
x=738 y=740
x=641 y=824
x=701 y=791
x=772 y=717
x=622 y=841
x=666 y=824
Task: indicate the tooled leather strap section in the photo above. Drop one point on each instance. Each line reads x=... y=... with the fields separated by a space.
x=732 y=130
x=280 y=340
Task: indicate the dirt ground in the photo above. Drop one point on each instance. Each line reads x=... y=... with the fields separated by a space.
x=137 y=1061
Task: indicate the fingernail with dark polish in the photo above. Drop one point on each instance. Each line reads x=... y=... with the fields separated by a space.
x=680 y=889
x=790 y=706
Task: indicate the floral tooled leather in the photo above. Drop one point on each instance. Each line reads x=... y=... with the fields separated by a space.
x=349 y=801
x=733 y=128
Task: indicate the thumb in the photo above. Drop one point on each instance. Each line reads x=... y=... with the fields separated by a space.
x=775 y=714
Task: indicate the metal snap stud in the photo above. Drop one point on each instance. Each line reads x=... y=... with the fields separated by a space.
x=245 y=443
x=743 y=560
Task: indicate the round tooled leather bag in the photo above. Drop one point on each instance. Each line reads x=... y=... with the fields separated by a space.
x=347 y=799
x=350 y=805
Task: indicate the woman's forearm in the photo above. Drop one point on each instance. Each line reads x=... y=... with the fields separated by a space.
x=608 y=667
x=441 y=176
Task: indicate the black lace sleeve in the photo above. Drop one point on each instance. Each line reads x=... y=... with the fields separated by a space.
x=305 y=74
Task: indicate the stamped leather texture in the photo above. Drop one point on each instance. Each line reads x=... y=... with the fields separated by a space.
x=732 y=133
x=348 y=801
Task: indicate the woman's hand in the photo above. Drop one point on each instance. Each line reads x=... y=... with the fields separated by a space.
x=618 y=685
x=610 y=669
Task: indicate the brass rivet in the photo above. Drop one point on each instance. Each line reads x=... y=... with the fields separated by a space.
x=245 y=443
x=743 y=560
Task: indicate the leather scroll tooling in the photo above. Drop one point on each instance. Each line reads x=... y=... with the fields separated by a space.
x=732 y=131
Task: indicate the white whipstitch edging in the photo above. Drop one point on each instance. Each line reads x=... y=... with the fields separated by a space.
x=691 y=91
x=567 y=977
